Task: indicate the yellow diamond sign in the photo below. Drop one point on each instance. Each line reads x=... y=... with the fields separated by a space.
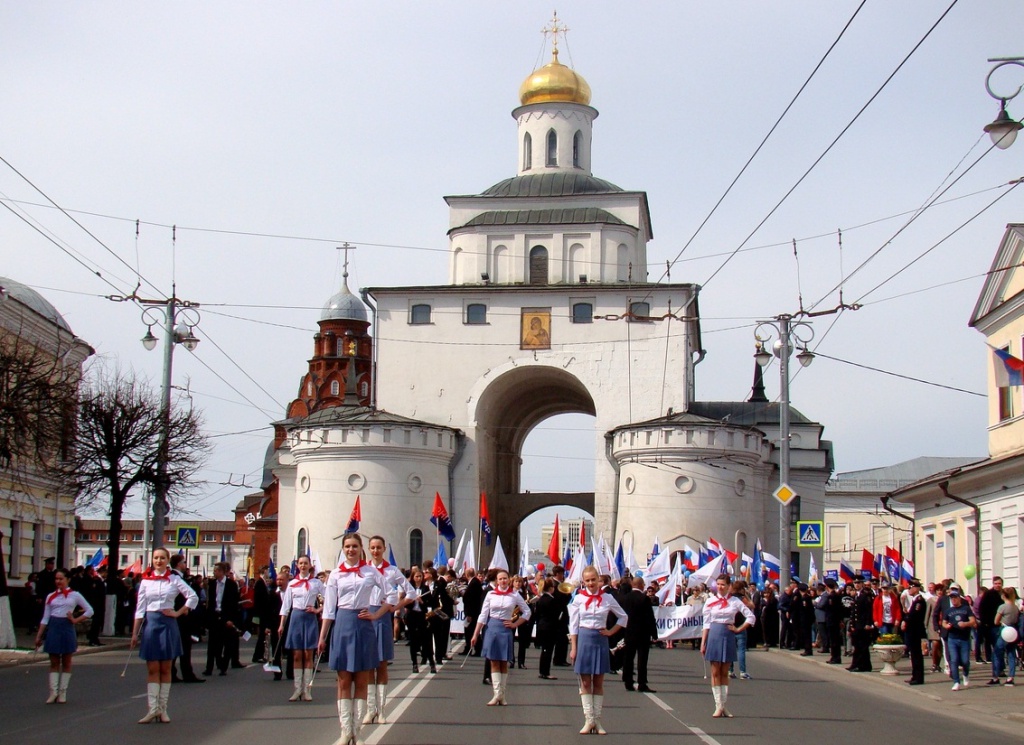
x=784 y=494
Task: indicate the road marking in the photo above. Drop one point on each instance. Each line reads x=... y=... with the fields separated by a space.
x=701 y=734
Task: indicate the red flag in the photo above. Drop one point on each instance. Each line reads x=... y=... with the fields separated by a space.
x=730 y=557
x=556 y=544
x=136 y=568
x=439 y=517
x=867 y=560
x=583 y=536
x=354 y=518
x=485 y=519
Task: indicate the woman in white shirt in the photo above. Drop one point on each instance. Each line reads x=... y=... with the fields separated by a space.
x=497 y=615
x=718 y=639
x=161 y=641
x=588 y=644
x=350 y=590
x=384 y=629
x=58 y=626
x=300 y=602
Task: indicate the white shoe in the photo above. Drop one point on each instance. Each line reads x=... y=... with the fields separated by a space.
x=964 y=682
x=345 y=718
x=54 y=688
x=358 y=712
x=956 y=687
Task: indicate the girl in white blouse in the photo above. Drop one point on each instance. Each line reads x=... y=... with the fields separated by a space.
x=497 y=615
x=58 y=626
x=718 y=639
x=588 y=640
x=350 y=590
x=161 y=641
x=300 y=602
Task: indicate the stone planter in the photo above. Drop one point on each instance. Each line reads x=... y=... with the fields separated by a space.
x=890 y=654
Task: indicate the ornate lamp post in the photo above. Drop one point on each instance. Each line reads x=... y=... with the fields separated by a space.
x=788 y=332
x=1003 y=130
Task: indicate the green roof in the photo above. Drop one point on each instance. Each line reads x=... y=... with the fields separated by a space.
x=550 y=185
x=569 y=216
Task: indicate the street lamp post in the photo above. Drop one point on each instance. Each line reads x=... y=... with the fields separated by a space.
x=1003 y=130
x=788 y=332
x=180 y=318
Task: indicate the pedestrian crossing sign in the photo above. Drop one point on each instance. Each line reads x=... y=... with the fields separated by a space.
x=809 y=534
x=187 y=536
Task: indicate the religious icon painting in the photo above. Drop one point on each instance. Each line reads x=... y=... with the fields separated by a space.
x=535 y=328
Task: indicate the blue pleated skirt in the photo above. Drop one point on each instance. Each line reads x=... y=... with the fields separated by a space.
x=60 y=637
x=160 y=637
x=353 y=643
x=384 y=628
x=721 y=644
x=303 y=630
x=497 y=641
x=592 y=654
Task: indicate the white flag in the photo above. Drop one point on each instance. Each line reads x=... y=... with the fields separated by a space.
x=317 y=566
x=460 y=552
x=579 y=563
x=659 y=568
x=708 y=572
x=667 y=594
x=498 y=561
x=524 y=558
x=609 y=560
x=469 y=559
x=812 y=577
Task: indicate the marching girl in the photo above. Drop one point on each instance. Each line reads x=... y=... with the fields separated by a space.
x=496 y=614
x=718 y=639
x=58 y=625
x=384 y=627
x=300 y=602
x=588 y=644
x=161 y=641
x=353 y=642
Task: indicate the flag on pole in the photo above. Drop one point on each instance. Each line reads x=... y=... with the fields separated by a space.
x=659 y=568
x=845 y=571
x=136 y=568
x=867 y=560
x=656 y=549
x=439 y=517
x=567 y=559
x=583 y=535
x=355 y=518
x=878 y=567
x=892 y=564
x=441 y=557
x=96 y=558
x=631 y=562
x=609 y=562
x=812 y=572
x=906 y=572
x=469 y=558
x=667 y=594
x=772 y=564
x=460 y=552
x=745 y=563
x=295 y=565
x=620 y=560
x=703 y=556
x=271 y=570
x=485 y=519
x=714 y=547
x=555 y=547
x=1008 y=369
x=524 y=557
x=709 y=571
x=391 y=556
x=317 y=566
x=579 y=563
x=757 y=570
x=498 y=561
x=689 y=558
x=730 y=560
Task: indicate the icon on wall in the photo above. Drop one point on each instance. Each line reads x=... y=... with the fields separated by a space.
x=535 y=328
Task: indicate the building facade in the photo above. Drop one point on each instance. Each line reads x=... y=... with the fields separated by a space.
x=215 y=539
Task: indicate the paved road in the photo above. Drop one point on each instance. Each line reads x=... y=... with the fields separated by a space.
x=790 y=700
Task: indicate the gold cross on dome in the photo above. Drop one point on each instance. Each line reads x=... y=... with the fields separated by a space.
x=555 y=28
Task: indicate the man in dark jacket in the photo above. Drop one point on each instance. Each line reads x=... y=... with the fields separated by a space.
x=548 y=614
x=222 y=618
x=803 y=615
x=261 y=609
x=641 y=630
x=186 y=629
x=472 y=604
x=914 y=633
x=835 y=612
x=862 y=625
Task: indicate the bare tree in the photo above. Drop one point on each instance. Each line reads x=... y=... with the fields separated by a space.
x=117 y=446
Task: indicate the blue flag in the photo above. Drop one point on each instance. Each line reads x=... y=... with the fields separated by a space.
x=439 y=517
x=620 y=560
x=223 y=553
x=96 y=558
x=272 y=570
x=441 y=557
x=391 y=556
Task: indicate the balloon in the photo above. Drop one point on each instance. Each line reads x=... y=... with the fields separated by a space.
x=451 y=563
x=540 y=566
x=1009 y=634
x=970 y=571
x=639 y=573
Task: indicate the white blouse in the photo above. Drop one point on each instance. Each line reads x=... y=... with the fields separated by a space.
x=301 y=594
x=158 y=592
x=59 y=604
x=591 y=612
x=500 y=605
x=351 y=588
x=724 y=610
x=394 y=581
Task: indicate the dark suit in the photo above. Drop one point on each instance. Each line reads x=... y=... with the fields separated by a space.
x=547 y=614
x=472 y=604
x=222 y=644
x=562 y=637
x=913 y=635
x=185 y=631
x=261 y=609
x=641 y=629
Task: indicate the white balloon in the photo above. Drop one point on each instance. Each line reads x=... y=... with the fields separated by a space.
x=1009 y=634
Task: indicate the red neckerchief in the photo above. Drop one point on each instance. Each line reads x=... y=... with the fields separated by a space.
x=300 y=581
x=383 y=565
x=53 y=596
x=723 y=602
x=148 y=574
x=591 y=598
x=496 y=591
x=346 y=569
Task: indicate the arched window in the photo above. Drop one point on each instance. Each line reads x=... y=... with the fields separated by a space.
x=538 y=265
x=552 y=159
x=622 y=263
x=501 y=274
x=582 y=313
x=476 y=313
x=577 y=140
x=300 y=547
x=335 y=388
x=419 y=314
x=639 y=311
x=577 y=263
x=527 y=151
x=340 y=348
x=415 y=547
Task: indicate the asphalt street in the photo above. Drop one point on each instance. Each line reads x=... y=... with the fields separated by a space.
x=789 y=700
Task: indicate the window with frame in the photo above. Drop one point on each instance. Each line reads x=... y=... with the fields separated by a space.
x=1005 y=398
x=335 y=388
x=639 y=312
x=419 y=314
x=552 y=149
x=576 y=139
x=415 y=547
x=527 y=152
x=476 y=313
x=582 y=313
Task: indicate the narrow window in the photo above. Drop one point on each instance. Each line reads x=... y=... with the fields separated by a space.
x=420 y=314
x=335 y=388
x=340 y=350
x=576 y=139
x=415 y=547
x=639 y=312
x=552 y=148
x=301 y=543
x=538 y=265
x=527 y=152
x=582 y=313
x=476 y=313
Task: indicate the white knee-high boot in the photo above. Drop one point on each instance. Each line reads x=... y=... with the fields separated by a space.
x=165 y=696
x=371 y=706
x=357 y=719
x=307 y=684
x=54 y=688
x=300 y=684
x=717 y=693
x=496 y=685
x=62 y=688
x=588 y=713
x=153 y=698
x=725 y=699
x=382 y=702
x=598 y=707
x=504 y=685
x=345 y=718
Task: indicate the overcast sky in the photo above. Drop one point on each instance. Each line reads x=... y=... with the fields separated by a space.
x=270 y=133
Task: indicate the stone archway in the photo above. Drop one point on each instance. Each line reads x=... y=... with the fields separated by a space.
x=513 y=404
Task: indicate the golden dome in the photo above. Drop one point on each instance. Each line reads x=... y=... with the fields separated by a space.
x=554 y=82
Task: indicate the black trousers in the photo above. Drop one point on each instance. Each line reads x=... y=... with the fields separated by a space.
x=185 y=661
x=861 y=651
x=641 y=651
x=913 y=641
x=547 y=649
x=419 y=638
x=218 y=644
x=835 y=642
x=562 y=646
